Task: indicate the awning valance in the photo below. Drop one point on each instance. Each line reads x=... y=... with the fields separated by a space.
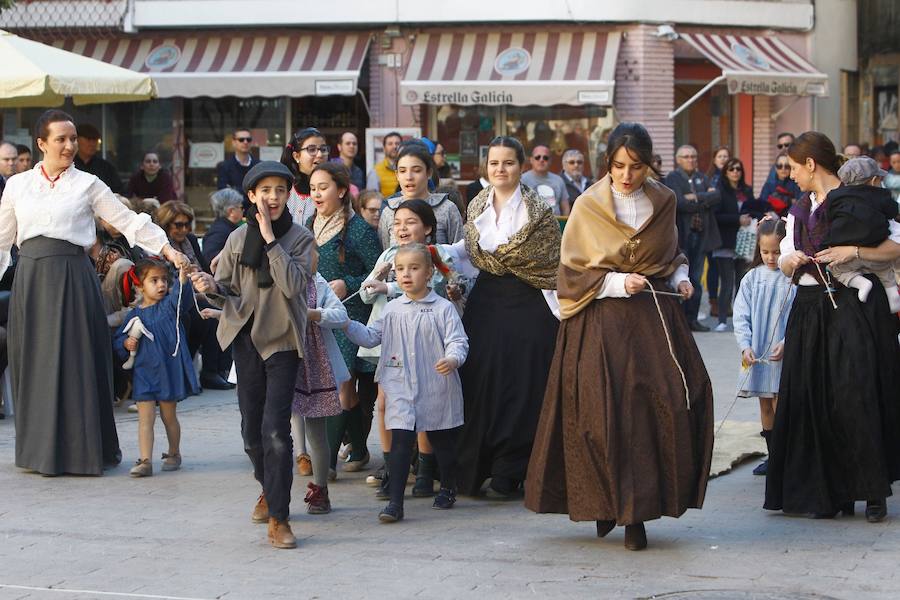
x=238 y=64
x=759 y=65
x=519 y=69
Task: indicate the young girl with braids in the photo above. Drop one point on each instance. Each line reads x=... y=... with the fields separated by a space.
x=163 y=371
x=348 y=251
x=414 y=223
x=306 y=150
x=760 y=317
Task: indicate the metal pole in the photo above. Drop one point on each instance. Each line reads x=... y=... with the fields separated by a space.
x=695 y=97
x=103 y=130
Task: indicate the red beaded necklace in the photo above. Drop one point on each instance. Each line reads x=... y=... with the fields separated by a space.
x=47 y=177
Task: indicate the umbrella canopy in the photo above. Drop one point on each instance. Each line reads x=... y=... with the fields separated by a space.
x=34 y=74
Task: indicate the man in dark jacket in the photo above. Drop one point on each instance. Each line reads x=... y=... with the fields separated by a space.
x=573 y=174
x=698 y=232
x=231 y=171
x=88 y=161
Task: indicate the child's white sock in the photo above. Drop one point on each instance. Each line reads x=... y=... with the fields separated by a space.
x=893 y=296
x=863 y=285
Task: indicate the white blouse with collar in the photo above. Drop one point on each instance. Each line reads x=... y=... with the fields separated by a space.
x=787 y=244
x=32 y=206
x=634 y=210
x=495 y=230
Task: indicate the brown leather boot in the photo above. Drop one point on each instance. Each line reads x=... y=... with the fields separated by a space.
x=261 y=510
x=280 y=534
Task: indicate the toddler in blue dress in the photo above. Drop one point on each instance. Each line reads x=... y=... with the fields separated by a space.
x=163 y=370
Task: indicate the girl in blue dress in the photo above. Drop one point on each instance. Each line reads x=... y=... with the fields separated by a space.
x=760 y=317
x=163 y=372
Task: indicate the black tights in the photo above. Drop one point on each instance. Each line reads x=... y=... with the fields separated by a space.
x=444 y=443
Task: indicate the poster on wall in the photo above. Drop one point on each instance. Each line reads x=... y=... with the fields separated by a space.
x=887 y=106
x=375 y=136
x=270 y=153
x=206 y=155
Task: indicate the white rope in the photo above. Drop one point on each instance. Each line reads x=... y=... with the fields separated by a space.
x=825 y=282
x=178 y=316
x=687 y=393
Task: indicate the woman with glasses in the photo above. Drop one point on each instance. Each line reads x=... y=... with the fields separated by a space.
x=177 y=220
x=781 y=191
x=511 y=245
x=306 y=150
x=730 y=217
x=151 y=181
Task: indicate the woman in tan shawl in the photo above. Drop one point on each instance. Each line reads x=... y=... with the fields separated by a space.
x=512 y=241
x=625 y=435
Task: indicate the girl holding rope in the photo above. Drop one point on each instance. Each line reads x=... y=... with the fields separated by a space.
x=760 y=315
x=836 y=438
x=626 y=431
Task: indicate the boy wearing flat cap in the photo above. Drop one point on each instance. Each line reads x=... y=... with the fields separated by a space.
x=260 y=283
x=862 y=214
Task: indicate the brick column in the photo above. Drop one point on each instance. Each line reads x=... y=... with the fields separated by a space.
x=645 y=87
x=375 y=83
x=763 y=141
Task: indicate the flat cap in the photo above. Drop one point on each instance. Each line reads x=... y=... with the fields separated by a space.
x=860 y=170
x=266 y=168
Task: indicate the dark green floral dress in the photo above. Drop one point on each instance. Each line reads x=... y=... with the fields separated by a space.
x=361 y=253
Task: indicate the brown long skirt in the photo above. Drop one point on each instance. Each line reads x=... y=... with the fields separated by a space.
x=616 y=440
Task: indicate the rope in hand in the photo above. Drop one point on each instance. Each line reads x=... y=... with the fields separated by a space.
x=687 y=393
x=379 y=275
x=178 y=315
x=825 y=282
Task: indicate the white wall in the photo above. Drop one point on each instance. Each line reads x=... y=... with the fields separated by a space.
x=832 y=49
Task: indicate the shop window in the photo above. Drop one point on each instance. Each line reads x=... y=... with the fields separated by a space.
x=134 y=128
x=465 y=132
x=585 y=128
x=333 y=115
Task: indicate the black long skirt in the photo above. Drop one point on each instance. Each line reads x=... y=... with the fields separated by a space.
x=61 y=362
x=512 y=334
x=837 y=427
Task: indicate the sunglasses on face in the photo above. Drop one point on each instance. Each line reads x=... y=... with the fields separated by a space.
x=735 y=170
x=783 y=146
x=181 y=224
x=782 y=166
x=243 y=139
x=313 y=150
x=541 y=157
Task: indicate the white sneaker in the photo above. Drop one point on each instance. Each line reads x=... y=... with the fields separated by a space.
x=721 y=327
x=702 y=316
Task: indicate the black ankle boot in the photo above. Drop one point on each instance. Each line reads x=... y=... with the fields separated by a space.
x=635 y=536
x=876 y=510
x=763 y=467
x=424 y=486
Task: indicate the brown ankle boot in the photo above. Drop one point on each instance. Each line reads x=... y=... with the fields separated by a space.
x=261 y=510
x=280 y=534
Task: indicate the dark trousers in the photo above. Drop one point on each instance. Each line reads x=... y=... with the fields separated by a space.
x=444 y=443
x=201 y=335
x=367 y=391
x=712 y=277
x=265 y=394
x=726 y=286
x=693 y=249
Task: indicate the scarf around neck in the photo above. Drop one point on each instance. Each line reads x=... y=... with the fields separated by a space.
x=253 y=254
x=531 y=254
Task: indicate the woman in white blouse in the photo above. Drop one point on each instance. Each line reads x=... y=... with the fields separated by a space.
x=512 y=245
x=59 y=343
x=625 y=434
x=837 y=428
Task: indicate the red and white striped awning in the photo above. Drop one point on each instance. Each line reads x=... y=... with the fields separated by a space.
x=759 y=65
x=238 y=64
x=542 y=68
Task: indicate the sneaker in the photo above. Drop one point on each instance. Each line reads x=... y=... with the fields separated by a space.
x=383 y=491
x=133 y=408
x=375 y=478
x=171 y=462
x=142 y=468
x=304 y=465
x=699 y=327
x=332 y=475
x=345 y=451
x=260 y=512
x=352 y=466
x=280 y=534
x=391 y=513
x=317 y=500
x=762 y=468
x=445 y=499
x=722 y=327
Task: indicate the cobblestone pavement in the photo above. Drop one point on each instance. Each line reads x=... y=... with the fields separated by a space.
x=188 y=535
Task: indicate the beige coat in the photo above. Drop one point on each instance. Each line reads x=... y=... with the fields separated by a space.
x=278 y=312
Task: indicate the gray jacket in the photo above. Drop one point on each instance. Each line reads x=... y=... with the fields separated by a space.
x=697 y=183
x=449 y=221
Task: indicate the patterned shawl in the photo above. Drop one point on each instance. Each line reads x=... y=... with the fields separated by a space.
x=531 y=254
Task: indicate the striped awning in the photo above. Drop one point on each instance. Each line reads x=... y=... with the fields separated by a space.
x=759 y=65
x=238 y=64
x=519 y=69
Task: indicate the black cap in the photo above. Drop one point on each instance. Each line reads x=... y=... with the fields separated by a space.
x=266 y=168
x=88 y=132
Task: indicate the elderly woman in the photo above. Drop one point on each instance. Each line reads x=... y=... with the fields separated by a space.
x=60 y=358
x=177 y=219
x=227 y=206
x=626 y=430
x=511 y=244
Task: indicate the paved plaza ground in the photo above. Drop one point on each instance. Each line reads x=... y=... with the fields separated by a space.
x=188 y=534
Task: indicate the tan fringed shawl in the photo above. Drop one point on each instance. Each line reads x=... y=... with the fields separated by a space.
x=532 y=254
x=595 y=244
